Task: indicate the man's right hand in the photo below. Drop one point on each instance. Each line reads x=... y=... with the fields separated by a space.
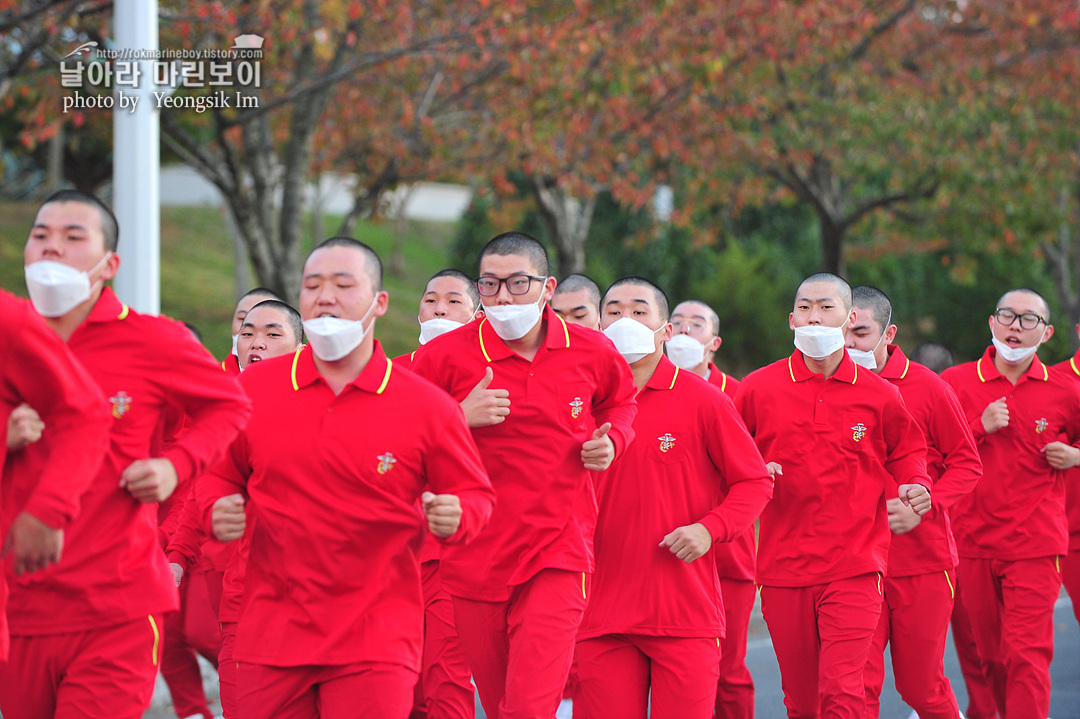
x=483 y=406
x=34 y=544
x=227 y=518
x=995 y=416
x=24 y=427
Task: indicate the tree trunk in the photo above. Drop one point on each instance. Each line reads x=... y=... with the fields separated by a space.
x=1064 y=259
x=567 y=219
x=832 y=245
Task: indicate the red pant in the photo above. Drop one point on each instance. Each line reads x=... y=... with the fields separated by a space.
x=228 y=668
x=1011 y=606
x=616 y=673
x=445 y=689
x=1070 y=575
x=981 y=704
x=520 y=650
x=822 y=635
x=369 y=689
x=193 y=629
x=735 y=690
x=105 y=673
x=914 y=623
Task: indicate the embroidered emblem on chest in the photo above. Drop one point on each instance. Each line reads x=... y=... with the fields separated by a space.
x=575 y=407
x=1040 y=425
x=386 y=463
x=121 y=403
x=858 y=432
x=666 y=442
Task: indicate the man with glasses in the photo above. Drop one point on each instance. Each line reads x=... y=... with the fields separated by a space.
x=694 y=344
x=1011 y=529
x=519 y=591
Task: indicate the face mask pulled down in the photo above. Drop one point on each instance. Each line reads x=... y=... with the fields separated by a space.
x=868 y=359
x=1014 y=355
x=56 y=289
x=332 y=338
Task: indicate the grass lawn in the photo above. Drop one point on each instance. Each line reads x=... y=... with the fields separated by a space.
x=197 y=283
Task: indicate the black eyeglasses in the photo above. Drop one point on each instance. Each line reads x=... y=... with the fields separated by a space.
x=1028 y=320
x=515 y=284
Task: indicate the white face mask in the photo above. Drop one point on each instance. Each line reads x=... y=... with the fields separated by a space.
x=235 y=339
x=56 y=289
x=435 y=327
x=818 y=341
x=632 y=339
x=868 y=359
x=512 y=322
x=685 y=351
x=1014 y=355
x=332 y=338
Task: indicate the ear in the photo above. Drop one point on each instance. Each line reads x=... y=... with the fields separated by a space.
x=714 y=344
x=549 y=288
x=791 y=321
x=890 y=334
x=111 y=267
x=1047 y=333
x=667 y=332
x=382 y=302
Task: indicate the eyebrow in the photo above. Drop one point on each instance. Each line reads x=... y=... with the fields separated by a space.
x=43 y=226
x=693 y=317
x=451 y=292
x=819 y=300
x=636 y=299
x=339 y=273
x=268 y=325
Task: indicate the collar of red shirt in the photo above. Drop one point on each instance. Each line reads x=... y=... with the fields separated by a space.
x=1074 y=364
x=987 y=371
x=108 y=308
x=897 y=365
x=847 y=372
x=374 y=377
x=663 y=377
x=494 y=348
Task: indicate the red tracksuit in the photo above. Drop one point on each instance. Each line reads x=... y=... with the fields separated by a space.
x=332 y=601
x=735 y=562
x=920 y=581
x=1070 y=565
x=195 y=628
x=445 y=689
x=519 y=590
x=86 y=632
x=691 y=461
x=1011 y=531
x=824 y=537
x=37 y=368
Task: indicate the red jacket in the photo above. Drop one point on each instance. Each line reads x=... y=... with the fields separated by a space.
x=333 y=576
x=547 y=510
x=691 y=461
x=841 y=442
x=951 y=460
x=37 y=368
x=113 y=569
x=1017 y=510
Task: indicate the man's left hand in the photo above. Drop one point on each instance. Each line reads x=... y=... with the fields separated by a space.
x=149 y=480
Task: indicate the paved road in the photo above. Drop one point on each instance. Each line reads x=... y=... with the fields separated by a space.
x=1064 y=703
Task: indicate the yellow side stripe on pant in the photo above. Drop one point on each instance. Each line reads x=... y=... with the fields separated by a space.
x=1057 y=563
x=952 y=590
x=583 y=595
x=157 y=639
x=879 y=582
